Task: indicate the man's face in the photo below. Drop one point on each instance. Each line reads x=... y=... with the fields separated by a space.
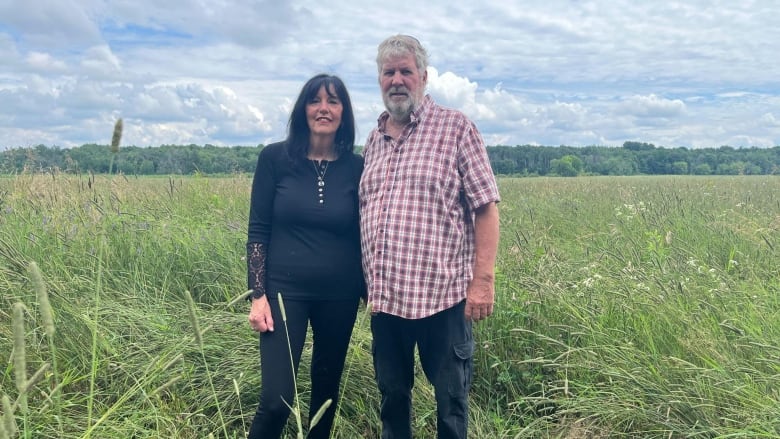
x=402 y=85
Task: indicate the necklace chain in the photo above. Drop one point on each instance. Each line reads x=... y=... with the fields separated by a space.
x=320 y=170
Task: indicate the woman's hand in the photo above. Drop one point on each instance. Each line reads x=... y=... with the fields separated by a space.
x=260 y=315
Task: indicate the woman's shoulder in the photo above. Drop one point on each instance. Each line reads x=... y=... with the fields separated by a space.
x=273 y=150
x=275 y=154
x=356 y=161
x=356 y=158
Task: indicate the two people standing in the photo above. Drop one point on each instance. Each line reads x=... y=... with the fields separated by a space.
x=428 y=230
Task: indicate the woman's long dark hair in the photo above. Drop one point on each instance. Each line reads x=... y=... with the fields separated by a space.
x=298 y=127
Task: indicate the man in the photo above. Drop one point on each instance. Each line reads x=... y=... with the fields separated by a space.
x=429 y=231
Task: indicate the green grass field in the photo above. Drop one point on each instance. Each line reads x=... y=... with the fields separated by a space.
x=626 y=307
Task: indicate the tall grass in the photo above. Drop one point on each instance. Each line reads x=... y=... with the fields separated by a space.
x=639 y=307
x=626 y=307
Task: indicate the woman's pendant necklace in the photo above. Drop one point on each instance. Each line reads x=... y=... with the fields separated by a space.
x=321 y=170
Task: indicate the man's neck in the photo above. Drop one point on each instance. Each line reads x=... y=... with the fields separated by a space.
x=394 y=127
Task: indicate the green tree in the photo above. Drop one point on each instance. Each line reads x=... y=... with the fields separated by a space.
x=680 y=168
x=566 y=166
x=638 y=146
x=504 y=167
x=702 y=169
x=731 y=168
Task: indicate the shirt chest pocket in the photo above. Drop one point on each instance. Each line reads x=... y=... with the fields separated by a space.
x=427 y=170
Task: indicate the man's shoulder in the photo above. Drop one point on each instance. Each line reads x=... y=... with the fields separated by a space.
x=438 y=111
x=373 y=137
x=449 y=112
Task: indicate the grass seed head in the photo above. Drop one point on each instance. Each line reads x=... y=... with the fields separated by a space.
x=8 y=425
x=320 y=413
x=117 y=137
x=47 y=315
x=20 y=356
x=167 y=384
x=193 y=318
x=281 y=306
x=173 y=361
x=37 y=376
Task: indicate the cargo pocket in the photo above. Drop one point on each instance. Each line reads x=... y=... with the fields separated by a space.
x=462 y=369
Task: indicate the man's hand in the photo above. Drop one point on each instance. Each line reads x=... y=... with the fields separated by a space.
x=480 y=297
x=260 y=315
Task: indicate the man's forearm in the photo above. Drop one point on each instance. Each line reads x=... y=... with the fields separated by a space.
x=486 y=233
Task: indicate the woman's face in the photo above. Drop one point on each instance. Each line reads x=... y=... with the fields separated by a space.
x=323 y=113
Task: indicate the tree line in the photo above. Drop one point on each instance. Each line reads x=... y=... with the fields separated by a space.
x=633 y=158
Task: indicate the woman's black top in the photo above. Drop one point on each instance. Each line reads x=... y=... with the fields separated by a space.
x=313 y=247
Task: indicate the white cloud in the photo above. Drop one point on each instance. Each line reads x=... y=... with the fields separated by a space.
x=652 y=106
x=100 y=61
x=51 y=23
x=452 y=90
x=769 y=120
x=45 y=63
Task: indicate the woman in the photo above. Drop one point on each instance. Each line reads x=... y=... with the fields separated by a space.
x=304 y=242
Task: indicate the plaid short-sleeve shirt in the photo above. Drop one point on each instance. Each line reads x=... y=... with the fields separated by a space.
x=417 y=198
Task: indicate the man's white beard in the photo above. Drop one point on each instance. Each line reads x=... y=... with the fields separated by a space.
x=402 y=110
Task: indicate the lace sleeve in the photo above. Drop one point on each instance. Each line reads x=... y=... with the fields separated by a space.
x=255 y=264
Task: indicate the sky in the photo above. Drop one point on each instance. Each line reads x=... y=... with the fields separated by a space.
x=696 y=73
